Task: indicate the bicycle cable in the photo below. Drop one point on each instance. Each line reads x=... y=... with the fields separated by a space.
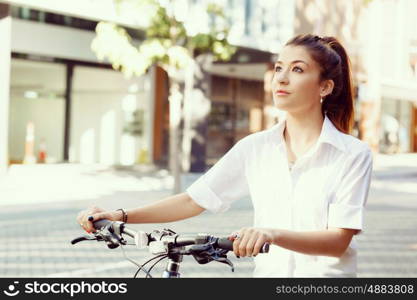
x=148 y=272
x=150 y=269
x=141 y=267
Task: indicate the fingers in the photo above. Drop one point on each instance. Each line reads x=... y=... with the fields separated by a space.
x=236 y=242
x=86 y=218
x=248 y=241
x=236 y=238
x=81 y=219
x=243 y=245
x=258 y=246
x=89 y=222
x=240 y=240
x=251 y=245
x=95 y=217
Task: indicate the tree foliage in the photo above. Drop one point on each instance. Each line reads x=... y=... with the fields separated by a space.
x=167 y=42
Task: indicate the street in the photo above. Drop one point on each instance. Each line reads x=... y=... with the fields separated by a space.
x=39 y=205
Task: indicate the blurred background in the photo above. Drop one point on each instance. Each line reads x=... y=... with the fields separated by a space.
x=120 y=103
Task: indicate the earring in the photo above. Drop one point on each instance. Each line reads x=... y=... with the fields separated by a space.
x=321 y=100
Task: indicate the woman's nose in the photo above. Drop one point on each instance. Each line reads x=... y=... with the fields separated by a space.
x=281 y=78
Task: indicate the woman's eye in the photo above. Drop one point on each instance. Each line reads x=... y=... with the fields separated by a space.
x=295 y=68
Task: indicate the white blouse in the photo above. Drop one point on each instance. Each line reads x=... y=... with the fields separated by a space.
x=326 y=187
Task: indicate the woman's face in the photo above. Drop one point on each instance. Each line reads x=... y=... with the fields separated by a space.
x=297 y=74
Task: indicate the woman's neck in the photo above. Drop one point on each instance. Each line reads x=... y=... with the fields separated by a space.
x=302 y=131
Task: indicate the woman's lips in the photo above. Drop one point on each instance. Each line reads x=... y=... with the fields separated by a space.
x=282 y=93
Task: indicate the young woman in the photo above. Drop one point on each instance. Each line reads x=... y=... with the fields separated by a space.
x=307 y=177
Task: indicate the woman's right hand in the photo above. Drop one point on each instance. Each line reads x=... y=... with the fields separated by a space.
x=97 y=213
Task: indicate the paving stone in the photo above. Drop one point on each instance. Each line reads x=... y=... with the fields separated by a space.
x=37 y=235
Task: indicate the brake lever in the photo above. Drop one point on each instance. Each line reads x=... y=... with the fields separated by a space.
x=225 y=260
x=106 y=234
x=83 y=238
x=206 y=253
x=220 y=255
x=110 y=237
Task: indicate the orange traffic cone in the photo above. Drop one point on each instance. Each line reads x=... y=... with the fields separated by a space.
x=42 y=152
x=29 y=144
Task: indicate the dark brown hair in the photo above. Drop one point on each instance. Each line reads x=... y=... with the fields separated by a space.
x=335 y=64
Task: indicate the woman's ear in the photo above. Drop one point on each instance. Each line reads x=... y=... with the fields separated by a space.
x=326 y=88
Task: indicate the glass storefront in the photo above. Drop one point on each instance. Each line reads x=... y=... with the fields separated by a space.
x=37 y=108
x=117 y=130
x=236 y=111
x=396 y=124
x=109 y=122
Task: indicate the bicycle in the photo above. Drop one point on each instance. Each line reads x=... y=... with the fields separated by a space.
x=164 y=244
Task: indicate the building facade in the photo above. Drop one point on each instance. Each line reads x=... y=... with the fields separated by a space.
x=61 y=103
x=81 y=110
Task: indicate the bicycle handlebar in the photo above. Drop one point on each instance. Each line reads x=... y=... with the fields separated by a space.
x=143 y=239
x=165 y=244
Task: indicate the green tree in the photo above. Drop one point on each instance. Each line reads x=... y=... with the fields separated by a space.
x=181 y=49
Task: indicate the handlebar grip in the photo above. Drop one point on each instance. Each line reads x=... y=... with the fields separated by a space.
x=78 y=239
x=227 y=244
x=101 y=223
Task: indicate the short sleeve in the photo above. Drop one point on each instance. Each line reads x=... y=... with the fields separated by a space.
x=347 y=209
x=224 y=183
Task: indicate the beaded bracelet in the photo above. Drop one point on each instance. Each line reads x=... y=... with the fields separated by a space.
x=124 y=218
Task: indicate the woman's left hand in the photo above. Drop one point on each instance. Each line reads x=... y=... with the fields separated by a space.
x=249 y=241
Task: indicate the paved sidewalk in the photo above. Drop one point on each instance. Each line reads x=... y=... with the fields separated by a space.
x=38 y=205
